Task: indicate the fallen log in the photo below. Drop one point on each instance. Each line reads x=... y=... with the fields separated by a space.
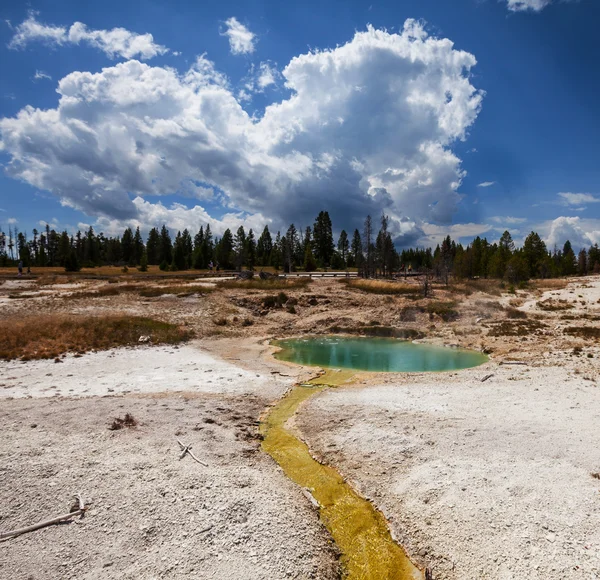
x=57 y=520
x=513 y=362
x=486 y=378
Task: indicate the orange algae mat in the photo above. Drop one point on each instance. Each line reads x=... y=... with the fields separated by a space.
x=359 y=530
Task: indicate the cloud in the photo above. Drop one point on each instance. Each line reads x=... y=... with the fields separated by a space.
x=435 y=234
x=178 y=217
x=508 y=220
x=117 y=42
x=368 y=126
x=268 y=75
x=258 y=79
x=573 y=229
x=530 y=5
x=12 y=221
x=577 y=199
x=241 y=39
x=40 y=75
x=487 y=184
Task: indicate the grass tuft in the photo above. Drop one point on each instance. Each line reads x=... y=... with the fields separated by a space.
x=45 y=337
x=127 y=421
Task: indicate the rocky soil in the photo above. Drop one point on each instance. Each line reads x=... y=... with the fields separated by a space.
x=492 y=479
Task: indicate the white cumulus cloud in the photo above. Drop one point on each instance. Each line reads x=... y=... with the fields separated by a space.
x=573 y=229
x=241 y=39
x=487 y=184
x=117 y=42
x=368 y=126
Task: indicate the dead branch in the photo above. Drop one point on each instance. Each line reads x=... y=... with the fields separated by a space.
x=187 y=449
x=79 y=511
x=512 y=362
x=487 y=377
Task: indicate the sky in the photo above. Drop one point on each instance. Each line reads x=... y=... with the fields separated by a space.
x=465 y=118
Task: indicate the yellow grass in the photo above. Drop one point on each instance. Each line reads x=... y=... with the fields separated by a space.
x=38 y=337
x=381 y=286
x=271 y=284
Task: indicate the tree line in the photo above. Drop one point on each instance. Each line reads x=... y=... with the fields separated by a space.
x=371 y=251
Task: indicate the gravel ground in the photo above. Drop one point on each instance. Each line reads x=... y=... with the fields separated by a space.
x=152 y=515
x=479 y=480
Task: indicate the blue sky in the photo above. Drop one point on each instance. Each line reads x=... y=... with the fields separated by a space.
x=465 y=117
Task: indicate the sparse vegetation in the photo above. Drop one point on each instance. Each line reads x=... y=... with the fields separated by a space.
x=591 y=332
x=554 y=305
x=381 y=331
x=445 y=310
x=380 y=286
x=128 y=421
x=515 y=313
x=270 y=284
x=517 y=328
x=44 y=337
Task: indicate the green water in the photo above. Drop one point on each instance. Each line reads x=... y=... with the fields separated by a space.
x=375 y=354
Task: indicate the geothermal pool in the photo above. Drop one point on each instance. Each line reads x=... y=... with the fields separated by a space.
x=375 y=354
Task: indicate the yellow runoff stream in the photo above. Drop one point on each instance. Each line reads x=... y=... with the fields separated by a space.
x=359 y=530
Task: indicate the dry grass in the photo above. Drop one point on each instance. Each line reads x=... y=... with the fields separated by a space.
x=128 y=421
x=180 y=291
x=381 y=286
x=591 y=332
x=549 y=284
x=50 y=336
x=271 y=284
x=517 y=328
x=554 y=305
x=144 y=290
x=515 y=313
x=483 y=285
x=445 y=310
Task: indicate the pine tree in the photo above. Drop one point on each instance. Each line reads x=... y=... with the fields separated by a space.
x=582 y=263
x=224 y=250
x=368 y=266
x=250 y=250
x=138 y=247
x=356 y=249
x=127 y=246
x=165 y=248
x=309 y=260
x=323 y=239
x=264 y=247
x=152 y=247
x=343 y=246
x=239 y=246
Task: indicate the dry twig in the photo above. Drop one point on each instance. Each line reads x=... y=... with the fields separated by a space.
x=74 y=512
x=185 y=449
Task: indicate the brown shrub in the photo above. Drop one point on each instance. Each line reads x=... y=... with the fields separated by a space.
x=515 y=313
x=516 y=328
x=583 y=331
x=127 y=421
x=42 y=337
x=445 y=310
x=554 y=305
